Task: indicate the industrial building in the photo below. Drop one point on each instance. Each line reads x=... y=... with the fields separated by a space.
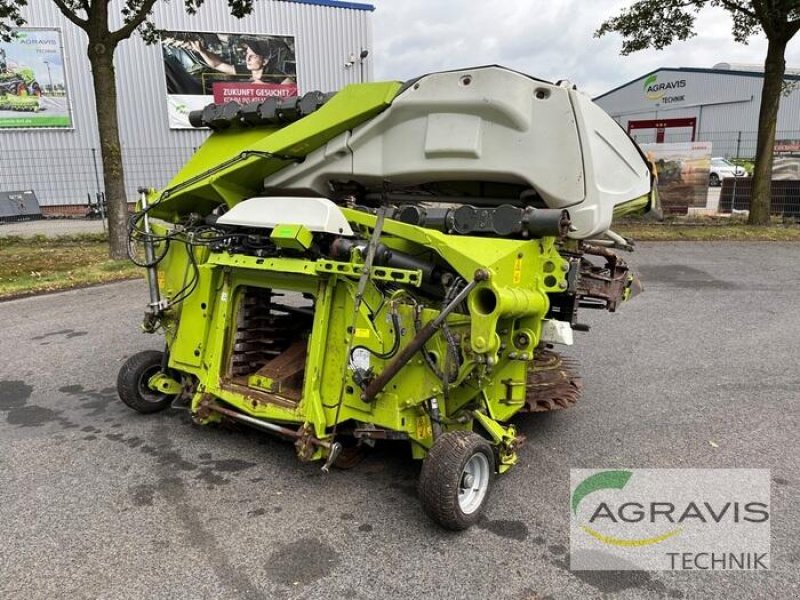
x=718 y=105
x=48 y=133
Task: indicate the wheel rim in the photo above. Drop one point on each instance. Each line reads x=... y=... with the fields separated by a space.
x=474 y=483
x=144 y=390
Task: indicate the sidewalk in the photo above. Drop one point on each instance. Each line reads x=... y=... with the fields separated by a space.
x=51 y=227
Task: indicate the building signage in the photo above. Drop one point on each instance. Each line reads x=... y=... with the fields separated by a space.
x=664 y=91
x=202 y=68
x=33 y=90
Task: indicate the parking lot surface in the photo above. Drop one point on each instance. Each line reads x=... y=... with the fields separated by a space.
x=97 y=501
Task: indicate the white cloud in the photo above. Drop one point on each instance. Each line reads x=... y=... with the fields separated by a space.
x=547 y=39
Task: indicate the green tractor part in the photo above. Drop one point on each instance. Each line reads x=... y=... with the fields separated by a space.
x=19 y=90
x=394 y=262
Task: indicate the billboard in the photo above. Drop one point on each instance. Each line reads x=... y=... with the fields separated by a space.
x=201 y=68
x=787 y=146
x=682 y=170
x=33 y=89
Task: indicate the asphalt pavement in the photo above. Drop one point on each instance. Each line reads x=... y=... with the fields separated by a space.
x=97 y=501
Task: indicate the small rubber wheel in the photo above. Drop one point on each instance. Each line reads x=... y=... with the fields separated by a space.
x=455 y=479
x=132 y=383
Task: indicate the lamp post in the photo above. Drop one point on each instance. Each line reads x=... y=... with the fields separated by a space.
x=49 y=78
x=361 y=58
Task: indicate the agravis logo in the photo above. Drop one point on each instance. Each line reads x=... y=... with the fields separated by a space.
x=654 y=90
x=606 y=480
x=675 y=519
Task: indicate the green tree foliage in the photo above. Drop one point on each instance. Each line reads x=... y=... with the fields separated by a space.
x=95 y=17
x=659 y=23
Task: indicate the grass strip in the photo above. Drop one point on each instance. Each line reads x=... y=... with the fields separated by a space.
x=40 y=264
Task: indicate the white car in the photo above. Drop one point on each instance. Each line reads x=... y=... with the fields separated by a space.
x=722 y=168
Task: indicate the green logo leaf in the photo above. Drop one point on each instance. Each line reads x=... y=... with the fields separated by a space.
x=605 y=480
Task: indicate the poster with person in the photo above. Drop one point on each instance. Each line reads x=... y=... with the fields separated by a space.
x=33 y=89
x=201 y=68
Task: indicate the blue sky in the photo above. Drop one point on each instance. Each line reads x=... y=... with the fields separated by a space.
x=550 y=39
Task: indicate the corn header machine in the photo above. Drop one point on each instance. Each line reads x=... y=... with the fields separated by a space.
x=392 y=262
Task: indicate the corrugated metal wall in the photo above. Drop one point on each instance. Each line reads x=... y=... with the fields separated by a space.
x=60 y=164
x=725 y=104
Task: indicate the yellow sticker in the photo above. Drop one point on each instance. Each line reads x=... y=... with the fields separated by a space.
x=517 y=271
x=423 y=428
x=362 y=332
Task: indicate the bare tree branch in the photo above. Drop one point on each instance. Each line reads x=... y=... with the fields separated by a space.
x=69 y=13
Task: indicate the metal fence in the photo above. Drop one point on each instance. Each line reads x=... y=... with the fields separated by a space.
x=74 y=176
x=728 y=144
x=69 y=182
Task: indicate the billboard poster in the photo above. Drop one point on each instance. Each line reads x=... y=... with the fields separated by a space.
x=33 y=89
x=201 y=68
x=682 y=170
x=787 y=146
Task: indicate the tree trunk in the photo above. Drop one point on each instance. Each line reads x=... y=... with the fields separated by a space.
x=774 y=68
x=101 y=57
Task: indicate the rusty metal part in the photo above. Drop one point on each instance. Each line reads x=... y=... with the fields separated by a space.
x=260 y=423
x=553 y=382
x=203 y=412
x=305 y=443
x=284 y=374
x=415 y=345
x=603 y=287
x=610 y=256
x=350 y=457
x=239 y=386
x=264 y=330
x=183 y=401
x=374 y=433
x=288 y=364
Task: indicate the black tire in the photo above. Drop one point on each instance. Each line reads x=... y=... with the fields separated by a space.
x=442 y=478
x=132 y=383
x=713 y=180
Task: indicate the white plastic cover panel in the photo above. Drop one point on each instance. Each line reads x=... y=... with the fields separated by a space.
x=614 y=168
x=315 y=214
x=488 y=124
